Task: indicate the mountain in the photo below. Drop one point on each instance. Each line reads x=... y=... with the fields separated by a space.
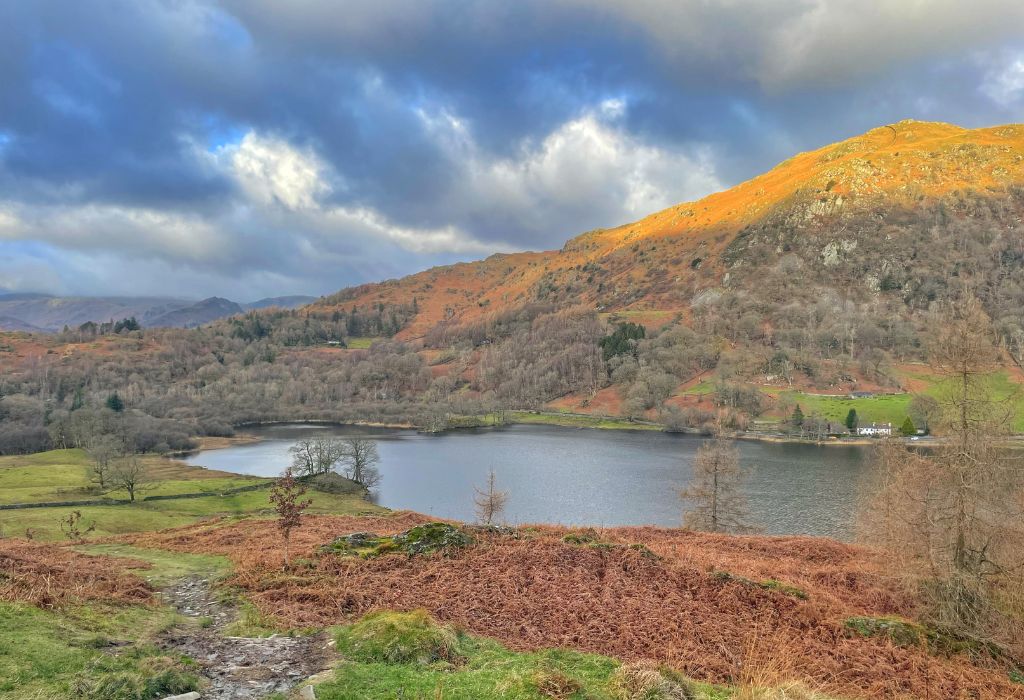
x=13 y=324
x=196 y=314
x=288 y=302
x=51 y=313
x=42 y=312
x=822 y=276
x=875 y=214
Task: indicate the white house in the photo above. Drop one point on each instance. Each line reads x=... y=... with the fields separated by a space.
x=875 y=430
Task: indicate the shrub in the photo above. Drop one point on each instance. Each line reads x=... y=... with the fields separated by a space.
x=400 y=638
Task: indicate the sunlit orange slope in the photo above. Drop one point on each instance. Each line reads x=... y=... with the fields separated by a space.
x=661 y=261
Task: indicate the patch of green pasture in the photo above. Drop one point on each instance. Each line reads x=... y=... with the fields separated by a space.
x=166 y=566
x=702 y=389
x=887 y=408
x=361 y=342
x=46 y=654
x=1000 y=386
x=188 y=486
x=45 y=476
x=577 y=420
x=64 y=475
x=144 y=516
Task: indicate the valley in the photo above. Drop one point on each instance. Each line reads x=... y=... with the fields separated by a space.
x=726 y=352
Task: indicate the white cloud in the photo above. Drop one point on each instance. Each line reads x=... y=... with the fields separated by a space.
x=106 y=227
x=271 y=171
x=368 y=222
x=1005 y=82
x=588 y=172
x=285 y=222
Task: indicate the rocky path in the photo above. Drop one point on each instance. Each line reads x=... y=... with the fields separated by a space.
x=238 y=668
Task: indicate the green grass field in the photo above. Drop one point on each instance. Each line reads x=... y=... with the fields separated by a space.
x=46 y=654
x=577 y=420
x=882 y=409
x=894 y=408
x=62 y=475
x=361 y=342
x=702 y=389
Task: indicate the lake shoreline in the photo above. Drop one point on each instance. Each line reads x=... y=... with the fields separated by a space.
x=558 y=475
x=579 y=421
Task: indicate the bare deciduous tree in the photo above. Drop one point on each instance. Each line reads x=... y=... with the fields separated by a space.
x=359 y=455
x=952 y=518
x=715 y=493
x=102 y=450
x=286 y=496
x=489 y=502
x=130 y=474
x=316 y=456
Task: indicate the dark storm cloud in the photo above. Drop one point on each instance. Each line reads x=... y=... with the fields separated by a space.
x=251 y=147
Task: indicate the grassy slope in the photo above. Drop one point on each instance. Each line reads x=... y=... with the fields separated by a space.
x=882 y=409
x=577 y=420
x=361 y=342
x=392 y=655
x=63 y=475
x=43 y=653
x=893 y=408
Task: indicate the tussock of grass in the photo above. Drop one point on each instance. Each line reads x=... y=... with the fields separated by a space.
x=790 y=691
x=250 y=622
x=400 y=638
x=154 y=677
x=648 y=681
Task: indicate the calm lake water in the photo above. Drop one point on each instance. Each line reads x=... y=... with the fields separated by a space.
x=580 y=477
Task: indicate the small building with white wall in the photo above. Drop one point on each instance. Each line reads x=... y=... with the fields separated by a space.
x=875 y=430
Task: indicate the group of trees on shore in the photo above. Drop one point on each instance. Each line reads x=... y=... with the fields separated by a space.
x=948 y=520
x=355 y=458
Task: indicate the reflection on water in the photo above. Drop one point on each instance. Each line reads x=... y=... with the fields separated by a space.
x=580 y=477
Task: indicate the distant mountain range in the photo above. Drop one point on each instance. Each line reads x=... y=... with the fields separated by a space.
x=45 y=313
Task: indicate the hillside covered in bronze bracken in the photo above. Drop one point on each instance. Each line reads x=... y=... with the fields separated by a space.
x=822 y=274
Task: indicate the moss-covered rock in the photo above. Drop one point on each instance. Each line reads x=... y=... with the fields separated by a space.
x=936 y=639
x=768 y=584
x=422 y=539
x=587 y=536
x=432 y=537
x=590 y=538
x=400 y=638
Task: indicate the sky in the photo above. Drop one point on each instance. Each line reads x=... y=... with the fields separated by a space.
x=254 y=148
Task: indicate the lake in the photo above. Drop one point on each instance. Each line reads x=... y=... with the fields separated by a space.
x=580 y=477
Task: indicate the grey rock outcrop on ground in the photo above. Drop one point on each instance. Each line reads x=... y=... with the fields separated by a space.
x=238 y=668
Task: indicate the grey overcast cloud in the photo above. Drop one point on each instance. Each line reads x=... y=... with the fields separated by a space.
x=249 y=148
